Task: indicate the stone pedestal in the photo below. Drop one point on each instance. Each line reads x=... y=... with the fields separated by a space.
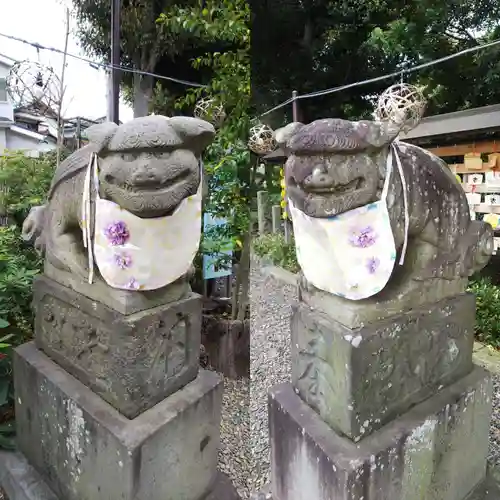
x=359 y=379
x=132 y=361
x=112 y=404
x=393 y=410
x=84 y=449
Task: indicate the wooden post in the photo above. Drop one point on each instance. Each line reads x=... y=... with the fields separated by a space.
x=276 y=218
x=60 y=118
x=288 y=231
x=4 y=218
x=78 y=133
x=296 y=116
x=295 y=107
x=262 y=208
x=115 y=61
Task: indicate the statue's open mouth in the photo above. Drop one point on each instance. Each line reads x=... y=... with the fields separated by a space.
x=150 y=198
x=339 y=188
x=151 y=184
x=330 y=197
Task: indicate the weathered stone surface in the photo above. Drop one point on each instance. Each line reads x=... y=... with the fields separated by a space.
x=147 y=166
x=223 y=489
x=133 y=361
x=358 y=380
x=22 y=482
x=335 y=166
x=397 y=299
x=122 y=301
x=86 y=450
x=488 y=490
x=435 y=451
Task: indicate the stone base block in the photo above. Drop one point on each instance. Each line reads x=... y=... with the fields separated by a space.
x=122 y=301
x=435 y=451
x=488 y=490
x=86 y=450
x=360 y=379
x=132 y=361
x=398 y=298
x=20 y=481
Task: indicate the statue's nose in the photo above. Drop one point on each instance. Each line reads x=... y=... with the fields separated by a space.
x=319 y=179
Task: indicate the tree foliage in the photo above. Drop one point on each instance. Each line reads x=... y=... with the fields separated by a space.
x=146 y=45
x=227 y=160
x=309 y=45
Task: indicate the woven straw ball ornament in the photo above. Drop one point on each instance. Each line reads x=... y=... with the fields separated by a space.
x=207 y=110
x=403 y=104
x=261 y=139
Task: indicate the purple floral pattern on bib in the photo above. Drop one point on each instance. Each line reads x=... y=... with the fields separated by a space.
x=372 y=265
x=117 y=233
x=123 y=260
x=363 y=238
x=133 y=284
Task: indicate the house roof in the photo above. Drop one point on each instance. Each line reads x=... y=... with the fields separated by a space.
x=27 y=133
x=7 y=61
x=5 y=122
x=276 y=155
x=484 y=119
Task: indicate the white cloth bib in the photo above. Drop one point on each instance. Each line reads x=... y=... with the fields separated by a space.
x=140 y=254
x=353 y=254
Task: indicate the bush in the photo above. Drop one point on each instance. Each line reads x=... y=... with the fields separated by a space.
x=280 y=253
x=24 y=182
x=487 y=325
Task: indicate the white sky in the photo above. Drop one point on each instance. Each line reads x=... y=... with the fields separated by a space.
x=43 y=21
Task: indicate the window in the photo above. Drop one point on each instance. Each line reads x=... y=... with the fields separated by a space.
x=3 y=90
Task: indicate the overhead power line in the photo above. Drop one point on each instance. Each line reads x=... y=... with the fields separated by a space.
x=97 y=65
x=384 y=77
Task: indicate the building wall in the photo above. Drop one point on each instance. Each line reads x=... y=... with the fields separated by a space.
x=6 y=108
x=3 y=139
x=15 y=142
x=4 y=70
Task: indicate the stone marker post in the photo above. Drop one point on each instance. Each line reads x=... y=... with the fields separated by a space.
x=262 y=212
x=385 y=402
x=110 y=401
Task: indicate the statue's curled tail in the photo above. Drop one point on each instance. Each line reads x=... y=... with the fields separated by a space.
x=32 y=230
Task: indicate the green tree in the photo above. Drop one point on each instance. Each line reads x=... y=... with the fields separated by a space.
x=310 y=45
x=427 y=30
x=145 y=45
x=227 y=161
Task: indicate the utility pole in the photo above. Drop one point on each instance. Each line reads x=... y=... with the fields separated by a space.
x=115 y=62
x=60 y=119
x=78 y=133
x=295 y=118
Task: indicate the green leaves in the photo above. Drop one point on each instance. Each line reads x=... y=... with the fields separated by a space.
x=24 y=181
x=487 y=311
x=274 y=248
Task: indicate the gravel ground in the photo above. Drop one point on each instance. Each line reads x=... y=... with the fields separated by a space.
x=270 y=310
x=494 y=455
x=233 y=453
x=270 y=364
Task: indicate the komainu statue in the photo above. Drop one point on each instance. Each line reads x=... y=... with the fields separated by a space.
x=377 y=218
x=129 y=202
